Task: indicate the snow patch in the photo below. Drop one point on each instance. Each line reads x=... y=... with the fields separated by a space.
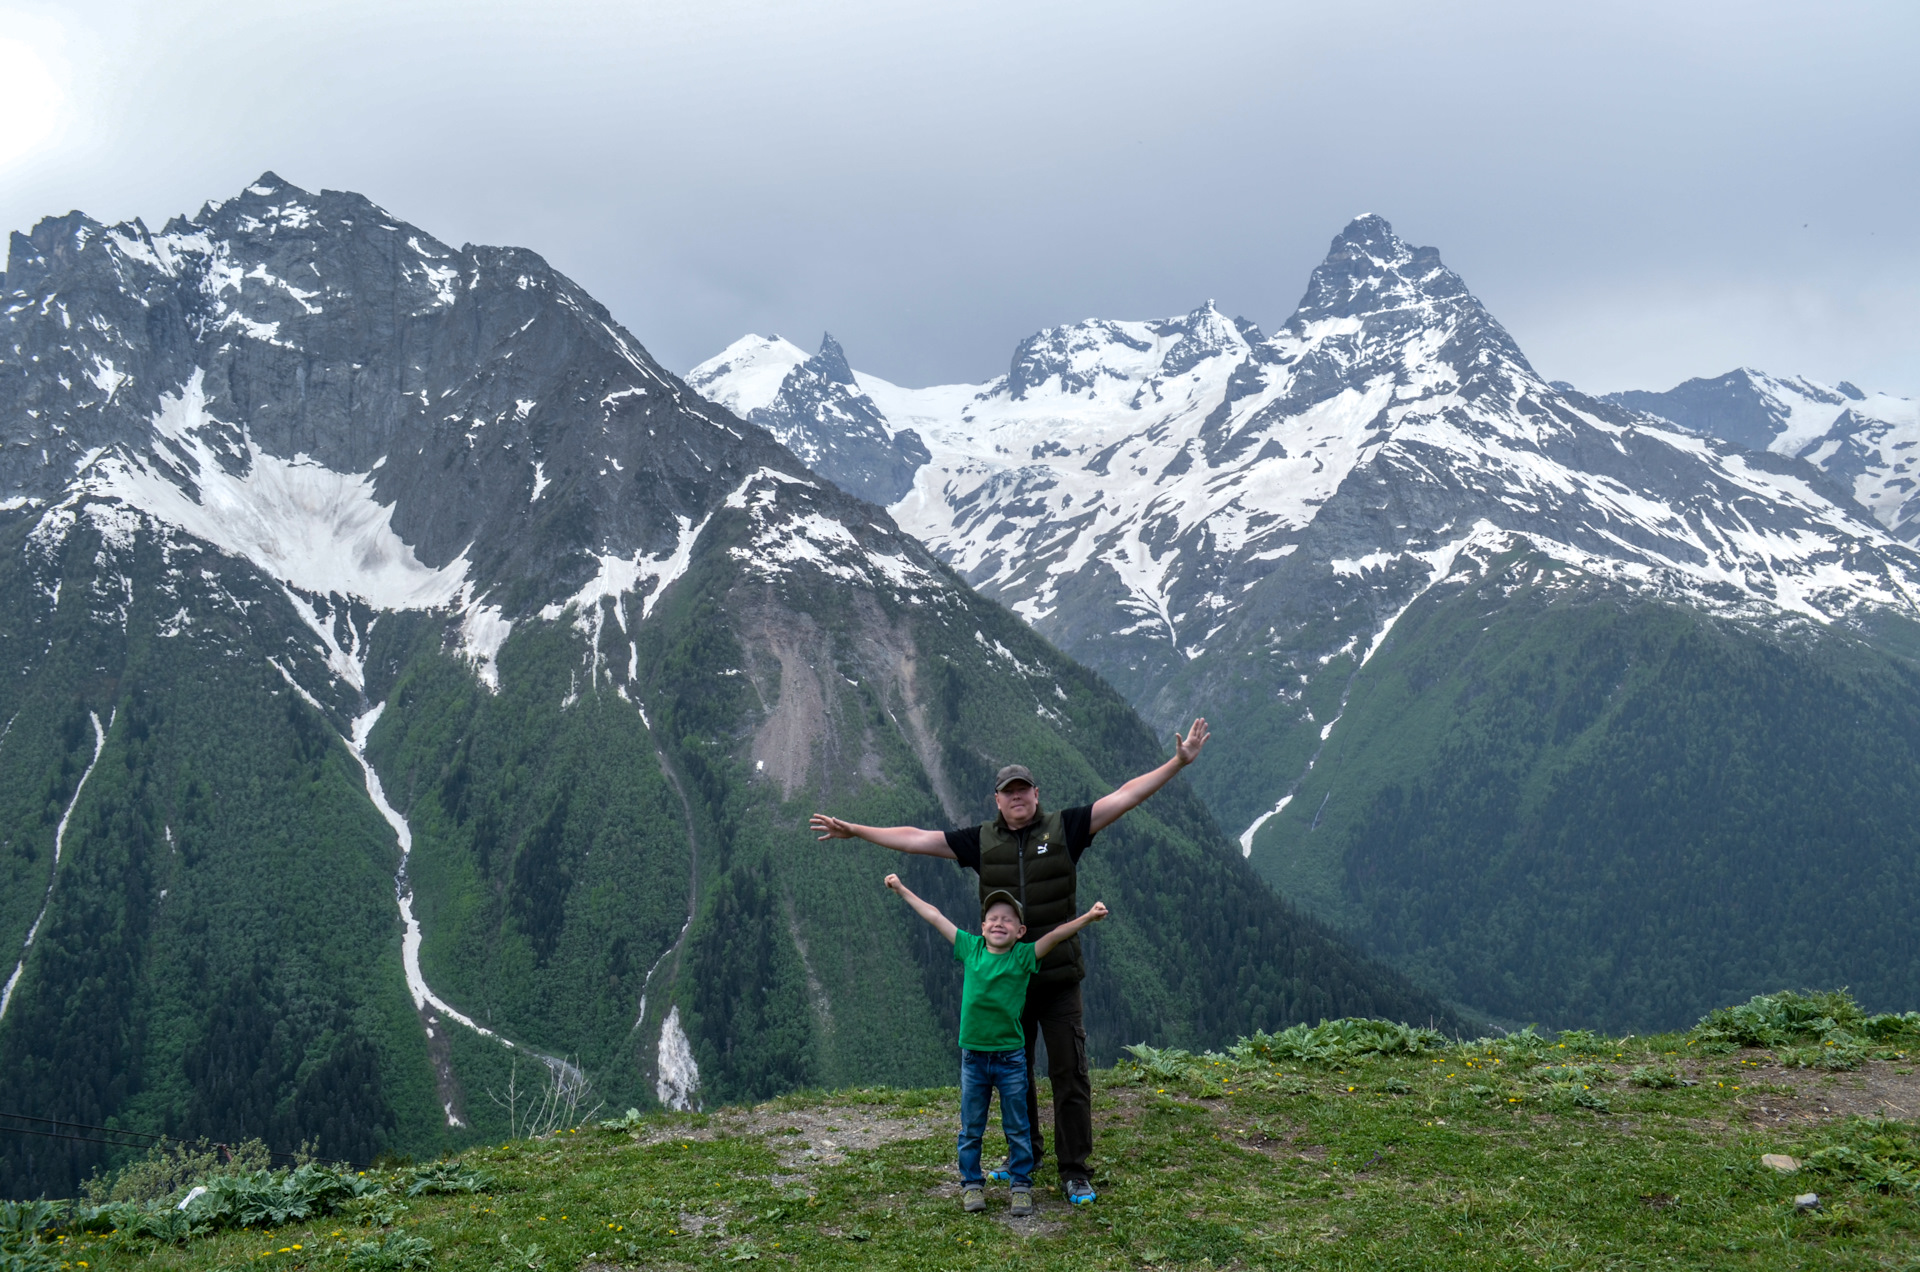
x=679 y=1079
x=1246 y=836
x=483 y=630
x=302 y=523
x=59 y=842
x=403 y=891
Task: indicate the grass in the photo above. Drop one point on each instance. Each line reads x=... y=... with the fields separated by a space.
x=1522 y=1152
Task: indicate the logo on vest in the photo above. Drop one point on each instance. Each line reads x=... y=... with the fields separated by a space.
x=1041 y=850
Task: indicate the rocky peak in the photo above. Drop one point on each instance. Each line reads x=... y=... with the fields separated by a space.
x=1204 y=333
x=830 y=364
x=1368 y=269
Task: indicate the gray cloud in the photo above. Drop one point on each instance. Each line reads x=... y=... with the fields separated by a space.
x=1642 y=192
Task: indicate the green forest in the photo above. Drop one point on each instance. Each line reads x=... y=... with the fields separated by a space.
x=1552 y=799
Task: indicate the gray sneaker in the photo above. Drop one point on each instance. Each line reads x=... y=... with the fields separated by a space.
x=1022 y=1203
x=1080 y=1192
x=974 y=1199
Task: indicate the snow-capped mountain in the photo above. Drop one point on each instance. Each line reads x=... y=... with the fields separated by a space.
x=1543 y=698
x=232 y=378
x=406 y=676
x=1865 y=441
x=813 y=406
x=1156 y=496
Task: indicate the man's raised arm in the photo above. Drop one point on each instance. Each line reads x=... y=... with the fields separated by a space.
x=1108 y=809
x=925 y=843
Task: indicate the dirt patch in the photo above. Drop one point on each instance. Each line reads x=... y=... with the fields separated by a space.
x=1807 y=1096
x=804 y=1138
x=798 y=707
x=1273 y=1140
x=819 y=691
x=823 y=1137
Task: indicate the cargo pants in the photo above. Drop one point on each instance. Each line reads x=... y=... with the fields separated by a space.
x=1054 y=1012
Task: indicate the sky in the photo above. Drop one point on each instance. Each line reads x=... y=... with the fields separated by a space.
x=1640 y=192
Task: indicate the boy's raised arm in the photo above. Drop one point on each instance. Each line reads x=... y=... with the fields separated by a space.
x=925 y=909
x=1044 y=946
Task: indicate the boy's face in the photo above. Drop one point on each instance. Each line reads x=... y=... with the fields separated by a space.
x=1000 y=927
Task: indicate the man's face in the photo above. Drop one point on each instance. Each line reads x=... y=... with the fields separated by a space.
x=1000 y=927
x=1018 y=803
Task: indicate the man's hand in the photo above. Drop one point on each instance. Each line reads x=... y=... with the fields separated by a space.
x=893 y=883
x=1188 y=748
x=1098 y=912
x=830 y=827
x=1110 y=808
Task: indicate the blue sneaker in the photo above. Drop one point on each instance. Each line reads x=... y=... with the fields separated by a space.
x=999 y=1176
x=1080 y=1192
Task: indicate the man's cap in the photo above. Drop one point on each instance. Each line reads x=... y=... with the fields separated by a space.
x=996 y=897
x=1013 y=773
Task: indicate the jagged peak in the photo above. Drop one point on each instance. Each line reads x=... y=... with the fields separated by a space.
x=831 y=362
x=1369 y=269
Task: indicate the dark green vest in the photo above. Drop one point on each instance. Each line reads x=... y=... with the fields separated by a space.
x=1033 y=863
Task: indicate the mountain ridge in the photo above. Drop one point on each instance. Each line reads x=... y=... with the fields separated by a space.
x=464 y=683
x=1251 y=526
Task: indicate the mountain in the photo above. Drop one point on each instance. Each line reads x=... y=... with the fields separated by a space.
x=409 y=681
x=1270 y=529
x=812 y=406
x=1859 y=439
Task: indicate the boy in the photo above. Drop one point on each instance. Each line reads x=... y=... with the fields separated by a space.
x=992 y=1046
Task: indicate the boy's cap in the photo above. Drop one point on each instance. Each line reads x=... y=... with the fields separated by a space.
x=996 y=897
x=1013 y=773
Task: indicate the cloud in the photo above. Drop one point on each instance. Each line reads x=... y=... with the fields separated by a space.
x=31 y=101
x=933 y=182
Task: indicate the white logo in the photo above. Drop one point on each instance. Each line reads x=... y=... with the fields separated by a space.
x=1042 y=848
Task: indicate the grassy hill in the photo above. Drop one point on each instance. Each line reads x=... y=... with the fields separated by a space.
x=1353 y=1144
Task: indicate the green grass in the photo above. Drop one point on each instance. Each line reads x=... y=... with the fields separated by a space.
x=1516 y=1153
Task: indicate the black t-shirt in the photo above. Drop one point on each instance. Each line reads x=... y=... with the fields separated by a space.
x=965 y=844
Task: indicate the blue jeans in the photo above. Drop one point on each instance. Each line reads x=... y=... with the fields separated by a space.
x=981 y=1074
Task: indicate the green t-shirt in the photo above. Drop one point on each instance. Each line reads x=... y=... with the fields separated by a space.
x=993 y=994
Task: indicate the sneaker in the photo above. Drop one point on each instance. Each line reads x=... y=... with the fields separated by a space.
x=973 y=1200
x=1022 y=1203
x=1080 y=1192
x=999 y=1176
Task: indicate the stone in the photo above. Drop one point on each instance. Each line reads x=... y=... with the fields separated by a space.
x=1807 y=1201
x=1780 y=1162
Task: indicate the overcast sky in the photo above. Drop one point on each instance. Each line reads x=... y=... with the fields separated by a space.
x=1641 y=192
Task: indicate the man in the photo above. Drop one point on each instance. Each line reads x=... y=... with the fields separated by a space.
x=1034 y=855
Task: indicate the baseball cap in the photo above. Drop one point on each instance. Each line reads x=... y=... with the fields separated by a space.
x=1013 y=773
x=996 y=897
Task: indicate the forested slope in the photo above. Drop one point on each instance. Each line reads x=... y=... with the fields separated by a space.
x=1548 y=796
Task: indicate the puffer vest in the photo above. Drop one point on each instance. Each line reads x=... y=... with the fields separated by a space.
x=1033 y=863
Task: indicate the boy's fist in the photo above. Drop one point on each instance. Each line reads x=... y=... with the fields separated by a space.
x=1099 y=911
x=893 y=882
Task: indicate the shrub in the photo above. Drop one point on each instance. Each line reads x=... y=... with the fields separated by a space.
x=1338 y=1041
x=1825 y=1030
x=447 y=1177
x=396 y=1252
x=1883 y=1155
x=1657 y=1077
